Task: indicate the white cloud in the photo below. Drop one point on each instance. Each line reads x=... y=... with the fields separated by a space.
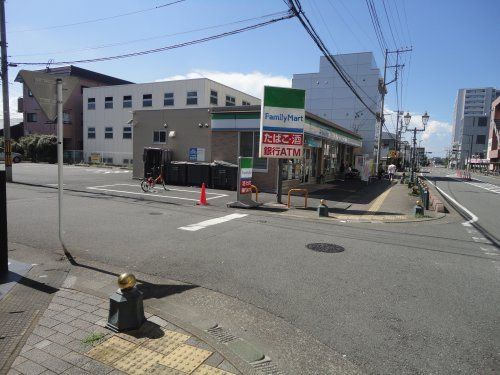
x=251 y=83
x=436 y=128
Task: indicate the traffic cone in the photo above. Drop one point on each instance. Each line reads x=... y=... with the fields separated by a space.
x=203 y=196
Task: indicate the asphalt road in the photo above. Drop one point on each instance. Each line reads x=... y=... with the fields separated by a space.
x=414 y=298
x=480 y=196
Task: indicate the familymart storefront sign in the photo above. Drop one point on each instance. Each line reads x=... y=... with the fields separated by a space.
x=282 y=123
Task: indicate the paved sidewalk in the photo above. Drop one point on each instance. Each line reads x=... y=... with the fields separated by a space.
x=71 y=338
x=379 y=201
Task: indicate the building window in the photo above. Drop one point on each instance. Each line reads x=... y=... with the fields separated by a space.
x=213 y=97
x=31 y=117
x=244 y=102
x=66 y=118
x=107 y=160
x=108 y=102
x=480 y=139
x=91 y=133
x=230 y=101
x=160 y=136
x=127 y=132
x=30 y=94
x=108 y=133
x=168 y=99
x=91 y=103
x=249 y=147
x=127 y=101
x=192 y=98
x=481 y=121
x=147 y=100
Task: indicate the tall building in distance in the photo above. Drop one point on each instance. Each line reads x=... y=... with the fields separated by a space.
x=471 y=120
x=329 y=97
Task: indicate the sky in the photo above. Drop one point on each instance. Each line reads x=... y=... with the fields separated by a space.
x=454 y=45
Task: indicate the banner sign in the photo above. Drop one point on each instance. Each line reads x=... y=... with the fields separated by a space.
x=246 y=166
x=282 y=123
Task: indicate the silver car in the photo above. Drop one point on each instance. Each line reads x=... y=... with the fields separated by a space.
x=16 y=157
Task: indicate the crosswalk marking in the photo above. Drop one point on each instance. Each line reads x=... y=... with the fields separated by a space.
x=208 y=223
x=485 y=185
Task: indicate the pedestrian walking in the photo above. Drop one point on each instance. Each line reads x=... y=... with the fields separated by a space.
x=391 y=169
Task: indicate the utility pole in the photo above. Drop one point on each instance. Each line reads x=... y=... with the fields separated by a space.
x=5 y=94
x=383 y=91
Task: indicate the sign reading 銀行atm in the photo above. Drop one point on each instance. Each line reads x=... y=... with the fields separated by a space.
x=282 y=123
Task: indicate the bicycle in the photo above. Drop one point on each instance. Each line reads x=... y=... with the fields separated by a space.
x=148 y=184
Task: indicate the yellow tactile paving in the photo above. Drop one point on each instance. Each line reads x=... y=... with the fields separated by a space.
x=166 y=343
x=139 y=361
x=185 y=358
x=209 y=370
x=111 y=350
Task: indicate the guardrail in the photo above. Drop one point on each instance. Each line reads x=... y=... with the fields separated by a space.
x=306 y=195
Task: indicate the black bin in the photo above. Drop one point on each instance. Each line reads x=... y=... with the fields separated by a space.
x=177 y=173
x=224 y=175
x=197 y=173
x=154 y=159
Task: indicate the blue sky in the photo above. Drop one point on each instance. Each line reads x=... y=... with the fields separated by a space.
x=453 y=44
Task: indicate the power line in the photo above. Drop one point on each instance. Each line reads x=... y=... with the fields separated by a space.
x=296 y=8
x=389 y=23
x=165 y=48
x=98 y=19
x=84 y=49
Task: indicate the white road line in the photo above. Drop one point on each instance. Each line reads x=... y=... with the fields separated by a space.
x=473 y=217
x=208 y=223
x=161 y=196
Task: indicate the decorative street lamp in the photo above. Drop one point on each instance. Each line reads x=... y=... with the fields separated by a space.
x=425 y=120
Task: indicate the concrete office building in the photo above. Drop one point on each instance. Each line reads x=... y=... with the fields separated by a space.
x=329 y=97
x=224 y=133
x=107 y=113
x=471 y=120
x=35 y=121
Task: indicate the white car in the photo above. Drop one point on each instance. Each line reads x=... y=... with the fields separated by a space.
x=16 y=157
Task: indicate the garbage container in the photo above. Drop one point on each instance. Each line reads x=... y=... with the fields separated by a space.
x=197 y=173
x=224 y=175
x=154 y=159
x=176 y=173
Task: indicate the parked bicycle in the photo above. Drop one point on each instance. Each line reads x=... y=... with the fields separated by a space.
x=149 y=183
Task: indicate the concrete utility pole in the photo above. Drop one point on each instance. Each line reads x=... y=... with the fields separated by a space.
x=383 y=91
x=5 y=95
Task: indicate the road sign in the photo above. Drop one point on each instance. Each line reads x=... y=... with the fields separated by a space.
x=246 y=165
x=282 y=123
x=43 y=87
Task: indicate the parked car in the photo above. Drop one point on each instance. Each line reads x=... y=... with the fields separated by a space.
x=16 y=157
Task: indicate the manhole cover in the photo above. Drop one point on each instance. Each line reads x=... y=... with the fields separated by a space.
x=325 y=247
x=156 y=213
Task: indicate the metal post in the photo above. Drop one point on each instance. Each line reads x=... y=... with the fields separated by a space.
x=5 y=95
x=60 y=138
x=413 y=155
x=279 y=182
x=4 y=245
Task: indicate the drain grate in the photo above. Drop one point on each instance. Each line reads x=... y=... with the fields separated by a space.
x=325 y=247
x=221 y=334
x=268 y=368
x=156 y=213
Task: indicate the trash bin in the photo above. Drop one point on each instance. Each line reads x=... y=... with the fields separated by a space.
x=224 y=175
x=154 y=159
x=176 y=173
x=198 y=173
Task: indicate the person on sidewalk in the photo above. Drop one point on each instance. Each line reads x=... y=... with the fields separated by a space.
x=391 y=169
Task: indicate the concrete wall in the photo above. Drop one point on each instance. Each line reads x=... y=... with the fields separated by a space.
x=184 y=122
x=329 y=97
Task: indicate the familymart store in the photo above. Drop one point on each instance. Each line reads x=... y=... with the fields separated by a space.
x=327 y=147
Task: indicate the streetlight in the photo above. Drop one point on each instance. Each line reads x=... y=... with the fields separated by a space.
x=407 y=118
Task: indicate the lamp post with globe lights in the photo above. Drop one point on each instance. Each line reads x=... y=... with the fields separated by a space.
x=407 y=118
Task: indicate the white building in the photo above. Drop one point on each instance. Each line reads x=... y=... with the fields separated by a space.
x=471 y=119
x=107 y=111
x=329 y=97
